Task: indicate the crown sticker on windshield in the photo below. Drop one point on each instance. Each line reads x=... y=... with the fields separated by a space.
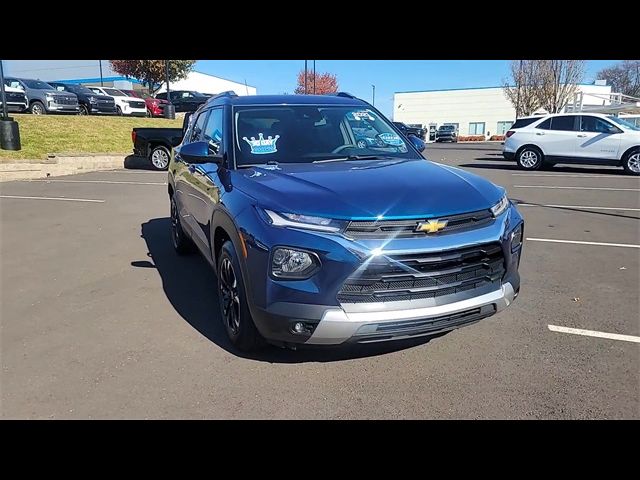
x=391 y=139
x=262 y=145
x=362 y=115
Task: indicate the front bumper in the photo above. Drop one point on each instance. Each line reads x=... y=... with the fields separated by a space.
x=509 y=155
x=54 y=107
x=15 y=107
x=333 y=325
x=103 y=109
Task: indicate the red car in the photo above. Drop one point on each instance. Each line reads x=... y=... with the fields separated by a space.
x=155 y=106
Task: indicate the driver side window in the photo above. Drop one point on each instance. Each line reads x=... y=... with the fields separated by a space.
x=213 y=131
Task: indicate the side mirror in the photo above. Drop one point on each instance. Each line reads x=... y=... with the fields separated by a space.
x=612 y=130
x=417 y=143
x=198 y=152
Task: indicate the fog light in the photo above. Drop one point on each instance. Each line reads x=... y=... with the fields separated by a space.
x=294 y=264
x=301 y=328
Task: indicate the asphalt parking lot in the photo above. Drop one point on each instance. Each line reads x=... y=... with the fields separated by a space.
x=100 y=319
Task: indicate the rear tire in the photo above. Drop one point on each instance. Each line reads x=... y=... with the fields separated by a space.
x=234 y=309
x=182 y=244
x=631 y=162
x=159 y=157
x=529 y=158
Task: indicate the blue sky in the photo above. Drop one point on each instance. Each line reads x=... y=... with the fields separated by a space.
x=389 y=76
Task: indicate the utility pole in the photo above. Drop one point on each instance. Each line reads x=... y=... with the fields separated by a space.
x=519 y=86
x=373 y=96
x=101 y=82
x=9 y=131
x=305 y=77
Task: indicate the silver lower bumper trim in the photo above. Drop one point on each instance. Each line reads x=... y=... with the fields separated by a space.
x=337 y=326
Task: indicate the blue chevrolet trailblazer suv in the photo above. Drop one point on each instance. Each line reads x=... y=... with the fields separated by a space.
x=318 y=237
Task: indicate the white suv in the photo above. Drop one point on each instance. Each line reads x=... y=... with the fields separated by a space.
x=586 y=138
x=125 y=105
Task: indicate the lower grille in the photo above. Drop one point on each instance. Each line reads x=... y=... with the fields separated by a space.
x=137 y=104
x=427 y=275
x=412 y=328
x=380 y=229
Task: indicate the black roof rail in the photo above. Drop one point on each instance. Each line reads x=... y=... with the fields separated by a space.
x=228 y=93
x=344 y=94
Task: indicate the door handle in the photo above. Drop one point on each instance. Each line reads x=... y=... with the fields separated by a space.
x=581 y=135
x=539 y=133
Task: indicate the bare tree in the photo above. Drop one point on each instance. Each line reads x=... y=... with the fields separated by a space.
x=559 y=82
x=624 y=77
x=522 y=89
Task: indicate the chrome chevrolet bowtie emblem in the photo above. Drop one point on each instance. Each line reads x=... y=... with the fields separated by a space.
x=431 y=226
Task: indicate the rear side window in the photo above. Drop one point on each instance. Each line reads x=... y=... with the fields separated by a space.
x=523 y=122
x=546 y=125
x=565 y=123
x=162 y=96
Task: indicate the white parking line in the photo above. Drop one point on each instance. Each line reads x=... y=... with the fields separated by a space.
x=594 y=333
x=578 y=242
x=580 y=207
x=579 y=188
x=560 y=175
x=53 y=198
x=100 y=181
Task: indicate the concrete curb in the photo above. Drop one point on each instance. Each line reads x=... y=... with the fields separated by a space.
x=58 y=165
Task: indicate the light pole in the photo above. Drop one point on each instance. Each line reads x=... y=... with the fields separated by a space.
x=305 y=77
x=101 y=82
x=373 y=96
x=9 y=131
x=169 y=108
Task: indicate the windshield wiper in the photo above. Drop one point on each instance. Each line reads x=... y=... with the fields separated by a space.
x=251 y=165
x=353 y=157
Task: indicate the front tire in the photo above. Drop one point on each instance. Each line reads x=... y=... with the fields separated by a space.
x=83 y=110
x=182 y=244
x=529 y=158
x=118 y=111
x=631 y=162
x=234 y=310
x=37 y=108
x=159 y=157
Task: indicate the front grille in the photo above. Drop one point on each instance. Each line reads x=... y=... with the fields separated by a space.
x=406 y=228
x=65 y=100
x=425 y=275
x=15 y=97
x=137 y=104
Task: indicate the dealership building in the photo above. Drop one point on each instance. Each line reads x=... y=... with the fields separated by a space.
x=481 y=111
x=99 y=72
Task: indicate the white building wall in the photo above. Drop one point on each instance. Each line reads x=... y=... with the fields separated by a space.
x=203 y=83
x=488 y=105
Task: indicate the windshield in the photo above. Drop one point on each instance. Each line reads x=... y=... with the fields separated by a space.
x=78 y=89
x=447 y=127
x=624 y=123
x=114 y=92
x=308 y=133
x=38 y=85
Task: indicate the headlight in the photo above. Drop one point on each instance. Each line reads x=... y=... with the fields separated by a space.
x=92 y=100
x=305 y=221
x=292 y=263
x=500 y=207
x=49 y=96
x=516 y=238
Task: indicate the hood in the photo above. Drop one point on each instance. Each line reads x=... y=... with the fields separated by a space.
x=58 y=92
x=365 y=189
x=102 y=98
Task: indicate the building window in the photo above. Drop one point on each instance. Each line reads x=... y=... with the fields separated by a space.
x=503 y=127
x=476 y=128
